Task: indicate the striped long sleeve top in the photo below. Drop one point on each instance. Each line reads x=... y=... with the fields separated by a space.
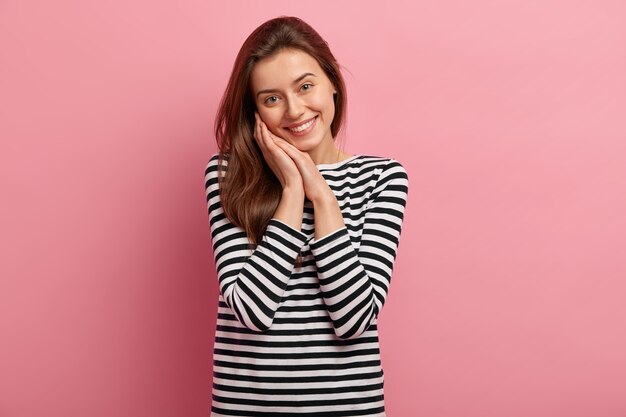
x=303 y=341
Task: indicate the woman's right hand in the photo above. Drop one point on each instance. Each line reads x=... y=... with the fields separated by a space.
x=281 y=164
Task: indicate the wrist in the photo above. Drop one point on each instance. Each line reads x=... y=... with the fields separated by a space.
x=325 y=199
x=290 y=190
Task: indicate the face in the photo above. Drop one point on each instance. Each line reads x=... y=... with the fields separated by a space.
x=289 y=88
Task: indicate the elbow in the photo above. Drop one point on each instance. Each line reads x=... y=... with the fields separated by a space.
x=351 y=333
x=260 y=328
x=346 y=332
x=258 y=324
x=253 y=322
x=252 y=317
x=348 y=335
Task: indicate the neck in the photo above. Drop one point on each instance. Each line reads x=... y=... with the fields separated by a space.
x=327 y=154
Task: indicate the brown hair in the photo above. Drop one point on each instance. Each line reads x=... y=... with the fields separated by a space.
x=250 y=192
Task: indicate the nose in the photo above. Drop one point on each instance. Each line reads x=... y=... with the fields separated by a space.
x=295 y=108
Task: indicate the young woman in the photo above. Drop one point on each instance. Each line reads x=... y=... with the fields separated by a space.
x=304 y=237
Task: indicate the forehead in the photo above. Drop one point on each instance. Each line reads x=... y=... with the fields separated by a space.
x=280 y=69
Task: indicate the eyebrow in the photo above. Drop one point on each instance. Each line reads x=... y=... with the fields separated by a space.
x=294 y=82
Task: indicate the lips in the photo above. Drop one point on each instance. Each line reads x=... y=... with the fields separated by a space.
x=292 y=126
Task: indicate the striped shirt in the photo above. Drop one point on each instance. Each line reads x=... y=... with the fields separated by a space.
x=303 y=341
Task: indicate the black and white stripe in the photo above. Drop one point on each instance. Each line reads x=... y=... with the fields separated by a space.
x=304 y=341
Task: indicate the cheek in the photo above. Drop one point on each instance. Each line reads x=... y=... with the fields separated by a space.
x=273 y=123
x=322 y=101
x=319 y=101
x=270 y=119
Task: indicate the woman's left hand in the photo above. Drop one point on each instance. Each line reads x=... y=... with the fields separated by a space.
x=315 y=186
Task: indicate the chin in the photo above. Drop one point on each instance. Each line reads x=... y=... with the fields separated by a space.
x=307 y=145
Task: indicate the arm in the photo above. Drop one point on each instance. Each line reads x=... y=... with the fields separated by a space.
x=355 y=284
x=252 y=282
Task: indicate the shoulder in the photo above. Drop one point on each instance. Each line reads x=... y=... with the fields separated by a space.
x=211 y=172
x=212 y=164
x=382 y=165
x=391 y=178
x=365 y=168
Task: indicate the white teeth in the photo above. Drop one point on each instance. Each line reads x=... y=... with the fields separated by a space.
x=303 y=127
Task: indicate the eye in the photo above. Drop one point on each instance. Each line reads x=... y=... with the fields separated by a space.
x=268 y=101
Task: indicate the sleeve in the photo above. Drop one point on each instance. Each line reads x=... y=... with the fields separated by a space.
x=252 y=282
x=354 y=284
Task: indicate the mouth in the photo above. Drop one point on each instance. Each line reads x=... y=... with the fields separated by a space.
x=303 y=128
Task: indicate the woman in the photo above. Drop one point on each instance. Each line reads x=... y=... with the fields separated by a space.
x=304 y=236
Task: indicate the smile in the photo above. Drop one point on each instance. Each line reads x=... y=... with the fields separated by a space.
x=303 y=128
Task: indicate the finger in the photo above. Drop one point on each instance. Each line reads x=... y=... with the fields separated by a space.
x=268 y=137
x=269 y=140
x=271 y=134
x=262 y=136
x=290 y=150
x=259 y=135
x=257 y=127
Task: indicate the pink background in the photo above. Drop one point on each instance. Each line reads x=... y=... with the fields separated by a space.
x=508 y=293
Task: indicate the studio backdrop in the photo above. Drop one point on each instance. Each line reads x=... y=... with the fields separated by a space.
x=507 y=296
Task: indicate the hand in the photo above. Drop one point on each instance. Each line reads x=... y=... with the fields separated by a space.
x=281 y=164
x=316 y=188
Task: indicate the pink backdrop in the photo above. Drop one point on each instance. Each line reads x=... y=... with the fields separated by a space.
x=508 y=293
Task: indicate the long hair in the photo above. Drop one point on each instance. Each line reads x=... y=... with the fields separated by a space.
x=249 y=190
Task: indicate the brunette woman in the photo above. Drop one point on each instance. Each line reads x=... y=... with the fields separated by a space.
x=304 y=236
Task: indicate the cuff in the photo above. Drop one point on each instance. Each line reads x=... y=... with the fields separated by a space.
x=291 y=231
x=321 y=243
